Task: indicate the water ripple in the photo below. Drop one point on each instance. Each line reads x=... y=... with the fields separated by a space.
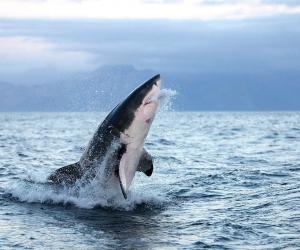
x=220 y=181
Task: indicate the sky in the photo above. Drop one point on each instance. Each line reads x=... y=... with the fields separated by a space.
x=146 y=9
x=175 y=36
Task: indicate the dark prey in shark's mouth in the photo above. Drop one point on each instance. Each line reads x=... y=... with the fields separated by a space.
x=119 y=140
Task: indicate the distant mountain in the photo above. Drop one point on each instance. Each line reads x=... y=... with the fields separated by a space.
x=276 y=91
x=95 y=91
x=103 y=88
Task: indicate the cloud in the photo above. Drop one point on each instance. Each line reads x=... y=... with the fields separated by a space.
x=188 y=47
x=21 y=53
x=145 y=9
x=22 y=46
x=163 y=1
x=284 y=2
x=281 y=2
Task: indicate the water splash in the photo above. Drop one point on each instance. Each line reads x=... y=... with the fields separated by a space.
x=102 y=189
x=98 y=191
x=89 y=196
x=166 y=97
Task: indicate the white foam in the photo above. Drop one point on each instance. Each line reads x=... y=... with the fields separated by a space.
x=87 y=196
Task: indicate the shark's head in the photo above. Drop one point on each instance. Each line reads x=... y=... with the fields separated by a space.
x=145 y=101
x=140 y=104
x=133 y=118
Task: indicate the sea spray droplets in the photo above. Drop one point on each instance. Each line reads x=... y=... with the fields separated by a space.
x=166 y=97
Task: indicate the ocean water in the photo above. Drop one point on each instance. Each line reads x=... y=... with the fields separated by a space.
x=221 y=181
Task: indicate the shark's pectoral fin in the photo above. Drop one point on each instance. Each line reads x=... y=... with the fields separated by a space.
x=67 y=175
x=146 y=163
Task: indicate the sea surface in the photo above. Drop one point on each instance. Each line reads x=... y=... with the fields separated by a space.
x=220 y=181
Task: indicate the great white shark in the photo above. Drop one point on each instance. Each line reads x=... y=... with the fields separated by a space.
x=119 y=141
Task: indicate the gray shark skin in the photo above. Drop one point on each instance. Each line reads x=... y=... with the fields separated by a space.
x=119 y=140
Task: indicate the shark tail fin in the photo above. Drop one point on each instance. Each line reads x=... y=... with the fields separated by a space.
x=67 y=175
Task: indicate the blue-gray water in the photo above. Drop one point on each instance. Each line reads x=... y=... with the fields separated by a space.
x=221 y=180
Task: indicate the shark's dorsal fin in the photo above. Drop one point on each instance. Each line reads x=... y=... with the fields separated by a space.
x=145 y=163
x=67 y=175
